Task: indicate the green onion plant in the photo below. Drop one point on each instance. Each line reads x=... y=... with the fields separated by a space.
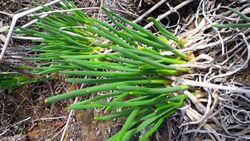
x=13 y=80
x=243 y=17
x=118 y=58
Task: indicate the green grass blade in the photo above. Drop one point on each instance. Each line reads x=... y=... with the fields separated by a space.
x=94 y=89
x=127 y=124
x=138 y=58
x=104 y=74
x=115 y=115
x=152 y=130
x=246 y=25
x=100 y=81
x=242 y=16
x=152 y=90
x=100 y=97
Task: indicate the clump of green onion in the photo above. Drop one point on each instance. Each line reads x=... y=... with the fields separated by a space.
x=123 y=61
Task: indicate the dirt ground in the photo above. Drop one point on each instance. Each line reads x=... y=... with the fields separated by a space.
x=25 y=116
